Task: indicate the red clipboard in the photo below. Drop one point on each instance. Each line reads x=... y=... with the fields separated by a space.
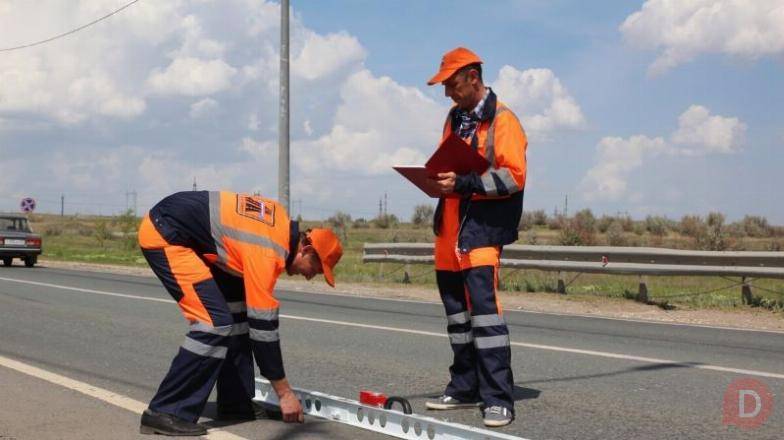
x=422 y=178
x=454 y=154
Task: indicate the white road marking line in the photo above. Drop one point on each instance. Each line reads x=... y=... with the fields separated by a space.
x=558 y=349
x=441 y=335
x=107 y=396
x=97 y=292
x=537 y=312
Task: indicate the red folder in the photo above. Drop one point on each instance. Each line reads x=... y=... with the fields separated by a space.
x=454 y=154
x=422 y=178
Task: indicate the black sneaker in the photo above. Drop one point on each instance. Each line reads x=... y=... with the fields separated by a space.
x=254 y=411
x=167 y=424
x=449 y=402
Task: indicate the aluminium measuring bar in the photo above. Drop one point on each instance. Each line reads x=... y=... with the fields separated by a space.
x=384 y=421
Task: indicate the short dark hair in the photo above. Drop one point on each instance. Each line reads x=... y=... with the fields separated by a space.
x=474 y=66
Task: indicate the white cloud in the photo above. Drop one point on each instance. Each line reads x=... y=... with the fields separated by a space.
x=262 y=150
x=617 y=159
x=82 y=75
x=698 y=134
x=701 y=133
x=203 y=107
x=539 y=99
x=323 y=55
x=683 y=29
x=192 y=77
x=379 y=123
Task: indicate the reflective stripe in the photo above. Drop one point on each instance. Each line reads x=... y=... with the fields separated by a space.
x=222 y=330
x=490 y=140
x=487 y=320
x=458 y=318
x=461 y=338
x=265 y=314
x=216 y=228
x=489 y=184
x=247 y=237
x=236 y=306
x=239 y=329
x=264 y=335
x=202 y=349
x=491 y=341
x=219 y=231
x=507 y=179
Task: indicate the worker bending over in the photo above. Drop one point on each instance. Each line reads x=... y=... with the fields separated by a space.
x=219 y=255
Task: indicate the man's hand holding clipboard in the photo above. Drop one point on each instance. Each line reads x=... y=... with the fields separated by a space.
x=452 y=158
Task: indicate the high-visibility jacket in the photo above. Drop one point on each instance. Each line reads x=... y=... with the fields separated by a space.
x=247 y=236
x=490 y=205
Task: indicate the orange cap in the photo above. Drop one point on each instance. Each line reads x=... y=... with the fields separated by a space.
x=329 y=250
x=451 y=62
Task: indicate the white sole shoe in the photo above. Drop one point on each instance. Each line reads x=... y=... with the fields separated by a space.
x=461 y=405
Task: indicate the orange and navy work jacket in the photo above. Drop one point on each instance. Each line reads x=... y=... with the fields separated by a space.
x=247 y=236
x=488 y=209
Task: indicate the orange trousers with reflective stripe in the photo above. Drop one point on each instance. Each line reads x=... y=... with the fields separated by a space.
x=187 y=268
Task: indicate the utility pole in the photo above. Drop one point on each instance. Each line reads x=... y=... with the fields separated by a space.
x=566 y=205
x=62 y=205
x=385 y=205
x=130 y=195
x=380 y=208
x=195 y=188
x=283 y=116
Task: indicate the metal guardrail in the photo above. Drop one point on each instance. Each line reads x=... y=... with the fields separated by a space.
x=608 y=260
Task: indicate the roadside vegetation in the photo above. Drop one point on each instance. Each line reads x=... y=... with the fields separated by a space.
x=112 y=240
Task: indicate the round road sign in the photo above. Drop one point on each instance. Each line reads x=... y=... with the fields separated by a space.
x=27 y=204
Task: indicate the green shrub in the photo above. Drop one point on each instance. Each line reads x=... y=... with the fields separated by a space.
x=423 y=216
x=756 y=226
x=361 y=223
x=692 y=226
x=615 y=235
x=386 y=221
x=656 y=225
x=101 y=232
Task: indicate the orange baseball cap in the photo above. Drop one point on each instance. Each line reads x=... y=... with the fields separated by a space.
x=451 y=62
x=329 y=250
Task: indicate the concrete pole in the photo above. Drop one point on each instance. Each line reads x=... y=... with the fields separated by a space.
x=283 y=116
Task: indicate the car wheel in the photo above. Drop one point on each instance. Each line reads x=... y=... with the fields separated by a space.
x=30 y=261
x=7 y=261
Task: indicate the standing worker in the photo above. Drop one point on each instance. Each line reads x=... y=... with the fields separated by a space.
x=219 y=255
x=476 y=216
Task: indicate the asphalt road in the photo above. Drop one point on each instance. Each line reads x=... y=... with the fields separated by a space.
x=576 y=377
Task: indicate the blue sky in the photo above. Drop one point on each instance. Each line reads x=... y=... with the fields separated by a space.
x=648 y=107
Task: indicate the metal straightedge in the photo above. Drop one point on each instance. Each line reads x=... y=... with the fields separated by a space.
x=384 y=421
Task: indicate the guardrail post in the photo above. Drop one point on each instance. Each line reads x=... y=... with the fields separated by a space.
x=642 y=292
x=745 y=292
x=561 y=284
x=406 y=275
x=381 y=271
